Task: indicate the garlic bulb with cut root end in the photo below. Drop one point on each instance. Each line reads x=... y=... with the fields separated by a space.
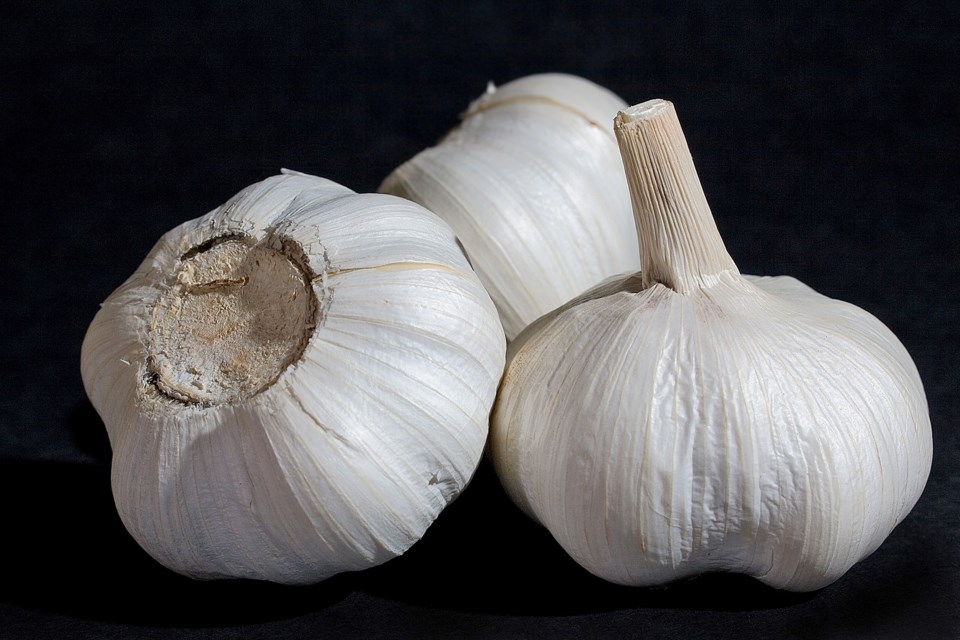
x=295 y=384
x=688 y=419
x=532 y=184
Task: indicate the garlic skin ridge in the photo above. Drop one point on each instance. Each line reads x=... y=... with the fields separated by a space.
x=688 y=419
x=248 y=458
x=532 y=184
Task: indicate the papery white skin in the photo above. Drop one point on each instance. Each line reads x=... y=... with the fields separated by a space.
x=532 y=184
x=345 y=460
x=721 y=423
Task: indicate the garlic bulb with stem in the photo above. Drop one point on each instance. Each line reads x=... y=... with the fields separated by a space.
x=294 y=384
x=531 y=183
x=688 y=419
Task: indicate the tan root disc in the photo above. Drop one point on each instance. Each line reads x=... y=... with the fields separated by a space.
x=238 y=314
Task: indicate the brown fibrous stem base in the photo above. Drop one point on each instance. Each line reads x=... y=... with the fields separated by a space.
x=236 y=315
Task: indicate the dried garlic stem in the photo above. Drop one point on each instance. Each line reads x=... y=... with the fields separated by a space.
x=679 y=242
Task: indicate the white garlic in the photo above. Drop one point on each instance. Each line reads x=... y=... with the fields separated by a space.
x=688 y=419
x=531 y=183
x=294 y=384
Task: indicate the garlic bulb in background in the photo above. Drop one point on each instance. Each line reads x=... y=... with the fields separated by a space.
x=688 y=419
x=294 y=384
x=531 y=182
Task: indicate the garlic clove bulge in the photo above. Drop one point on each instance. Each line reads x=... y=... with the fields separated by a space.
x=295 y=384
x=531 y=183
x=688 y=419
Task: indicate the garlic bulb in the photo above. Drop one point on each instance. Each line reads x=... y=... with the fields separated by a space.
x=688 y=419
x=531 y=183
x=294 y=384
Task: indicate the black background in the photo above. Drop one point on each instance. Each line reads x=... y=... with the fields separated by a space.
x=827 y=143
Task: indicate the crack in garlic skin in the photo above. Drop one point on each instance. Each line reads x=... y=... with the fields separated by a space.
x=397 y=266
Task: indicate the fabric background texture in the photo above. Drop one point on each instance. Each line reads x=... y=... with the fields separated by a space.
x=826 y=138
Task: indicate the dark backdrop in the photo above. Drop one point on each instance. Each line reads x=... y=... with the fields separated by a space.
x=826 y=139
